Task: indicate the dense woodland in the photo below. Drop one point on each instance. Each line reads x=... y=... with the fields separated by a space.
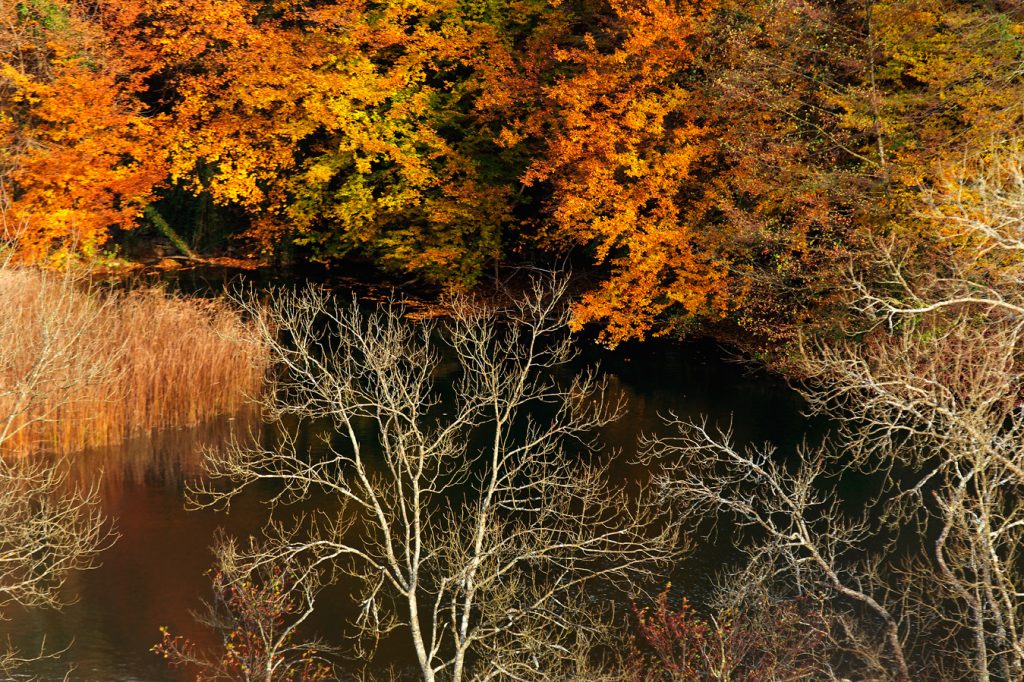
x=842 y=181
x=706 y=161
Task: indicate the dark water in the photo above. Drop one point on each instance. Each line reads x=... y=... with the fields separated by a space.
x=155 y=574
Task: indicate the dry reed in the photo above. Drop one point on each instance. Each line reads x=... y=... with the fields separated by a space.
x=81 y=367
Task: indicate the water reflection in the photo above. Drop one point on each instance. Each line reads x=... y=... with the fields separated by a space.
x=155 y=574
x=161 y=459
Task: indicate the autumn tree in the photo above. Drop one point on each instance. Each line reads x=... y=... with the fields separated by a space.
x=832 y=118
x=620 y=143
x=945 y=82
x=766 y=140
x=81 y=156
x=673 y=144
x=787 y=184
x=338 y=127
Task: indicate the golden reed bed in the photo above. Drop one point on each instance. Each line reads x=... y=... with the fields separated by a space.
x=81 y=367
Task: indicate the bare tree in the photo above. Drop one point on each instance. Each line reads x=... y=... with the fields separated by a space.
x=803 y=538
x=977 y=264
x=939 y=401
x=927 y=399
x=939 y=391
x=478 y=526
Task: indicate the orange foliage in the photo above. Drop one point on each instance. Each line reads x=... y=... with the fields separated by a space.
x=950 y=81
x=324 y=123
x=788 y=182
x=711 y=160
x=81 y=154
x=622 y=145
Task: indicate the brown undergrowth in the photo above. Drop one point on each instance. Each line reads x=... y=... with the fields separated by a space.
x=82 y=367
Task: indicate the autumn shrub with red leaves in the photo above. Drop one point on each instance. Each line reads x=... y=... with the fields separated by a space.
x=767 y=641
x=257 y=619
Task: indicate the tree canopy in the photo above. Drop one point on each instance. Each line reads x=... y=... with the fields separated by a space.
x=701 y=161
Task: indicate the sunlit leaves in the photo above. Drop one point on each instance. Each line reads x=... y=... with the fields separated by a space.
x=621 y=140
x=81 y=157
x=331 y=126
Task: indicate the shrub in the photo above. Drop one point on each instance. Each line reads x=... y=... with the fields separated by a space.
x=767 y=641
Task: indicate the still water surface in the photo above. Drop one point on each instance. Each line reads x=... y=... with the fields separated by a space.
x=155 y=574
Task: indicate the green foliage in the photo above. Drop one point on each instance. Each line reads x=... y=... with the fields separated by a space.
x=50 y=14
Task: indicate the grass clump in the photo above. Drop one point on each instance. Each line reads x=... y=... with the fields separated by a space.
x=82 y=367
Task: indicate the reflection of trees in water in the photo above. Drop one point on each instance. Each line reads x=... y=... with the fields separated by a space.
x=163 y=458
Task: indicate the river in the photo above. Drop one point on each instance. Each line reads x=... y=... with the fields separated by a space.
x=156 y=573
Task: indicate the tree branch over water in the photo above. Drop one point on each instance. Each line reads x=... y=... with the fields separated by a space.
x=479 y=527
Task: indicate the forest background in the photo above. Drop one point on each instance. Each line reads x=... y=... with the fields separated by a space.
x=701 y=164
